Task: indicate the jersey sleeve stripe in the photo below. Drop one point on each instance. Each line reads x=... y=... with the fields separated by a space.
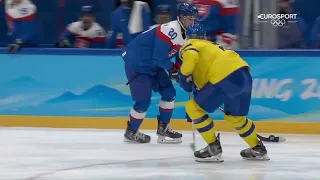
x=25 y=18
x=162 y=36
x=187 y=49
x=99 y=39
x=186 y=46
x=192 y=49
x=94 y=40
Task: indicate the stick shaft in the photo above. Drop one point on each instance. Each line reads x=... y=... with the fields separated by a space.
x=193 y=133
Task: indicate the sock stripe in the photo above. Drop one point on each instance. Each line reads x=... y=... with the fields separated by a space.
x=243 y=126
x=249 y=132
x=136 y=115
x=133 y=118
x=165 y=105
x=200 y=120
x=206 y=128
x=163 y=109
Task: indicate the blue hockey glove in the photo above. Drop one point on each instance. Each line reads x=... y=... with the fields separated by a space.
x=185 y=82
x=15 y=46
x=174 y=75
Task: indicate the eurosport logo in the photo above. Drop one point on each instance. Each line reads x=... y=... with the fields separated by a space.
x=277 y=20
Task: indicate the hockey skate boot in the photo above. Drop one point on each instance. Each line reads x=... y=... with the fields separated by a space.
x=166 y=135
x=258 y=152
x=135 y=136
x=211 y=153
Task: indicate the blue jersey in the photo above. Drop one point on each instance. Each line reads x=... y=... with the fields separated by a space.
x=120 y=24
x=22 y=23
x=152 y=50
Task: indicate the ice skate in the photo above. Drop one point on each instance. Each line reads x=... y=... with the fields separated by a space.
x=211 y=153
x=135 y=136
x=256 y=153
x=166 y=135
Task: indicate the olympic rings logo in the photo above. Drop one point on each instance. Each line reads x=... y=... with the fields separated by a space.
x=278 y=22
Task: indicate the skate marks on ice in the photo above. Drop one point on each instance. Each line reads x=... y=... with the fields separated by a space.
x=95 y=154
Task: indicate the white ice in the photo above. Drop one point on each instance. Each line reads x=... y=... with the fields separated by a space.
x=56 y=154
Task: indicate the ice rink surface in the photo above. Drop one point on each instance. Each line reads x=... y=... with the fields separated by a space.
x=67 y=154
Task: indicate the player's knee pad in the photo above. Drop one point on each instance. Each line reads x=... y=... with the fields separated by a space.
x=193 y=110
x=142 y=106
x=168 y=93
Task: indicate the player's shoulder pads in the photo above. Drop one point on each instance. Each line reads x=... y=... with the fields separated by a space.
x=172 y=30
x=74 y=27
x=97 y=31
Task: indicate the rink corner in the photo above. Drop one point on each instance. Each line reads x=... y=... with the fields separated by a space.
x=148 y=124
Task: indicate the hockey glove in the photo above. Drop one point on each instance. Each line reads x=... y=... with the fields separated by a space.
x=64 y=44
x=185 y=82
x=15 y=46
x=173 y=73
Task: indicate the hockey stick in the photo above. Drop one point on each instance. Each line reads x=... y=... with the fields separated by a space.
x=193 y=144
x=271 y=138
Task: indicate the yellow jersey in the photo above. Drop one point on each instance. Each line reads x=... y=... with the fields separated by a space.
x=208 y=62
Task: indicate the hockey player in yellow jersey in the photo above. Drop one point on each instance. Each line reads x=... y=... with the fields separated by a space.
x=220 y=77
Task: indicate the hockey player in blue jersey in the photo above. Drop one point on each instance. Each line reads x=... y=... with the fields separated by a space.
x=147 y=58
x=23 y=29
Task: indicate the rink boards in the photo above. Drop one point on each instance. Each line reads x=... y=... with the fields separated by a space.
x=149 y=124
x=73 y=88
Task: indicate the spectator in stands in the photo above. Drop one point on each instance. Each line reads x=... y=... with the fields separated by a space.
x=163 y=15
x=23 y=30
x=130 y=19
x=219 y=18
x=85 y=33
x=315 y=34
x=291 y=34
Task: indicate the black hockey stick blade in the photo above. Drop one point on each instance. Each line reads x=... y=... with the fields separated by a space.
x=272 y=138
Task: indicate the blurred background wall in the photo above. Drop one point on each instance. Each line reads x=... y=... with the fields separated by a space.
x=54 y=15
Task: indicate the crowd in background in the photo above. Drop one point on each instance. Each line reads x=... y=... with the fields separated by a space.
x=114 y=23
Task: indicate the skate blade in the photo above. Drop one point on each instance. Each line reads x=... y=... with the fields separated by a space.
x=163 y=140
x=209 y=160
x=261 y=158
